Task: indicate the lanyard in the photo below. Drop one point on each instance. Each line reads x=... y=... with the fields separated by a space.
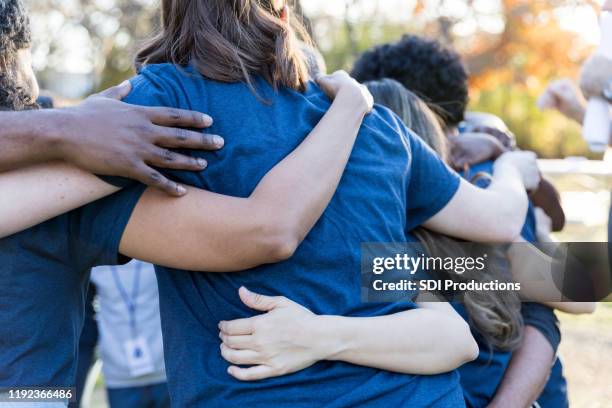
x=129 y=300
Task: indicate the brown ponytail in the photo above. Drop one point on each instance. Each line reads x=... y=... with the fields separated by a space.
x=230 y=41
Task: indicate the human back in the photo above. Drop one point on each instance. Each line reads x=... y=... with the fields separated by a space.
x=264 y=107
x=370 y=205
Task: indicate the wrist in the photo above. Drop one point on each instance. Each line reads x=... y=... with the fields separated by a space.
x=326 y=340
x=353 y=98
x=57 y=131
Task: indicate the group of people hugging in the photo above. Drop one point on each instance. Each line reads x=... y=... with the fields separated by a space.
x=250 y=178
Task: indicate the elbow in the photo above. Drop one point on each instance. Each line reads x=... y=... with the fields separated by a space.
x=279 y=242
x=468 y=350
x=283 y=248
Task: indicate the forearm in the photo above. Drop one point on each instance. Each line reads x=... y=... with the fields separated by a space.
x=297 y=190
x=34 y=194
x=27 y=138
x=492 y=215
x=508 y=192
x=527 y=372
x=422 y=341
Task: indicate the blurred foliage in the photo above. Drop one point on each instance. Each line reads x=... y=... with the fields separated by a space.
x=511 y=47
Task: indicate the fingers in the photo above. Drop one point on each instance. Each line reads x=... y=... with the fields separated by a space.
x=258 y=302
x=255 y=373
x=238 y=326
x=237 y=342
x=178 y=117
x=177 y=138
x=117 y=92
x=240 y=357
x=154 y=178
x=168 y=159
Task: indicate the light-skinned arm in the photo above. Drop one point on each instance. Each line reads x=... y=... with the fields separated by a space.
x=527 y=372
x=208 y=231
x=288 y=337
x=495 y=214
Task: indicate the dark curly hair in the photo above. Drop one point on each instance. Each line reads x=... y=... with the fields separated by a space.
x=14 y=35
x=433 y=72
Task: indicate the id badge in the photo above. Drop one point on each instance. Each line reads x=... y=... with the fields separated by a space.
x=139 y=357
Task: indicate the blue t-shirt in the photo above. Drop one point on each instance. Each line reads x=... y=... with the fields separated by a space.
x=481 y=378
x=554 y=394
x=43 y=284
x=392 y=183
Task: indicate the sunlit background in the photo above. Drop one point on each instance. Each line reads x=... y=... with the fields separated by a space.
x=511 y=47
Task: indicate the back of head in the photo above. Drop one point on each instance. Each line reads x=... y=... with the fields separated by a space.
x=433 y=72
x=230 y=41
x=15 y=90
x=415 y=114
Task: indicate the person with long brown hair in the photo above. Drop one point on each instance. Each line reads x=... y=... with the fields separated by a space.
x=241 y=62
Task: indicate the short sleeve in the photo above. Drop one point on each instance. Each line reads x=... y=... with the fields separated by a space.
x=116 y=181
x=432 y=183
x=97 y=228
x=544 y=320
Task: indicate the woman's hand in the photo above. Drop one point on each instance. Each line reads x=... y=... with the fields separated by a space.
x=342 y=84
x=472 y=148
x=526 y=163
x=275 y=343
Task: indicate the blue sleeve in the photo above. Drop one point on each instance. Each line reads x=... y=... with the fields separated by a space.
x=117 y=181
x=544 y=320
x=432 y=183
x=96 y=229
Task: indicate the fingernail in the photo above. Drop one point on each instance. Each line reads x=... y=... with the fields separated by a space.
x=124 y=83
x=207 y=120
x=181 y=190
x=202 y=163
x=218 y=141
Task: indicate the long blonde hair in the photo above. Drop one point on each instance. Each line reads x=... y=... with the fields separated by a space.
x=496 y=316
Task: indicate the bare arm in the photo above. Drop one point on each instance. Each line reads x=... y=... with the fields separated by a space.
x=105 y=136
x=527 y=372
x=207 y=231
x=534 y=270
x=288 y=337
x=495 y=214
x=38 y=193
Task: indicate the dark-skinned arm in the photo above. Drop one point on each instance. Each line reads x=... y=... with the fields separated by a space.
x=105 y=136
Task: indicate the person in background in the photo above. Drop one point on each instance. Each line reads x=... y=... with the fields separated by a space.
x=128 y=312
x=438 y=76
x=564 y=96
